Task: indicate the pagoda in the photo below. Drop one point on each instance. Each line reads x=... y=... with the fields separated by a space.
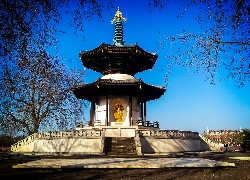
x=118 y=98
x=118 y=124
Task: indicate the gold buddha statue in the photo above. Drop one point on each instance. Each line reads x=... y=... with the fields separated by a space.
x=118 y=112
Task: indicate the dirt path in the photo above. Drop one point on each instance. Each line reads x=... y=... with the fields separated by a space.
x=240 y=171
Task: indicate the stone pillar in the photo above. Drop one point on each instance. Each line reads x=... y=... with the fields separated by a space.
x=92 y=107
x=142 y=114
x=107 y=104
x=130 y=110
x=144 y=110
x=94 y=111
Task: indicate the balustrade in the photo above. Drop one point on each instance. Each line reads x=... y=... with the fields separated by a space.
x=54 y=135
x=169 y=133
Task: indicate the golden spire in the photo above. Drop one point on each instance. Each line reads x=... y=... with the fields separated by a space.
x=118 y=16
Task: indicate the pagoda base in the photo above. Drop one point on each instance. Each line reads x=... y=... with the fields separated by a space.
x=92 y=140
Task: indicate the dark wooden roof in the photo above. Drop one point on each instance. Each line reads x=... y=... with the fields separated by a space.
x=102 y=87
x=108 y=59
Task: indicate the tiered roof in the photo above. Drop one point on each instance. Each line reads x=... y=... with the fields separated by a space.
x=133 y=87
x=108 y=59
x=118 y=59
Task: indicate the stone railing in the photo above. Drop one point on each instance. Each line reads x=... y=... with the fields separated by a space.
x=23 y=142
x=55 y=135
x=155 y=124
x=169 y=133
x=214 y=145
x=138 y=143
x=68 y=134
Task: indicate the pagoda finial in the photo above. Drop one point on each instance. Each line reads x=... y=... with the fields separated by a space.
x=118 y=16
x=118 y=38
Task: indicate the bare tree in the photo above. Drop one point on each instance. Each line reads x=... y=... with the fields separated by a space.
x=36 y=95
x=35 y=87
x=31 y=23
x=222 y=45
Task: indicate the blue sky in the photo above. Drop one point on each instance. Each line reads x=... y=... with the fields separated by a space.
x=190 y=102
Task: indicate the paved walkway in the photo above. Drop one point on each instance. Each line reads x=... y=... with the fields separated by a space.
x=123 y=163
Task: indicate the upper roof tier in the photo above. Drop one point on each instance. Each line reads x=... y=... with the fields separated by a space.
x=111 y=59
x=118 y=58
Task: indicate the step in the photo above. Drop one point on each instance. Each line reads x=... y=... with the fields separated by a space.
x=112 y=154
x=120 y=146
x=121 y=149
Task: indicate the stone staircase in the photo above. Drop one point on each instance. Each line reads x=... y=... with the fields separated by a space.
x=120 y=146
x=212 y=145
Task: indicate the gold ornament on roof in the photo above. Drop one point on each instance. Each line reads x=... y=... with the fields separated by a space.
x=118 y=16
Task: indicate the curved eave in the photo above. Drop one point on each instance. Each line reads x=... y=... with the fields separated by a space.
x=137 y=88
x=127 y=59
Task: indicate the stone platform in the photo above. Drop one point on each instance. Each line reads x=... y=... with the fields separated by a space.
x=124 y=163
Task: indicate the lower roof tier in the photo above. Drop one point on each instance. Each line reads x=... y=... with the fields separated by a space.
x=133 y=87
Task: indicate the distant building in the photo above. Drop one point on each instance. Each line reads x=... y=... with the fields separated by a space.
x=231 y=137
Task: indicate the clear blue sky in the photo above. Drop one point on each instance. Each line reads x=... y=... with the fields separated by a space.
x=190 y=103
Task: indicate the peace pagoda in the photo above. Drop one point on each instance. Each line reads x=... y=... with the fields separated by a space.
x=118 y=99
x=118 y=124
